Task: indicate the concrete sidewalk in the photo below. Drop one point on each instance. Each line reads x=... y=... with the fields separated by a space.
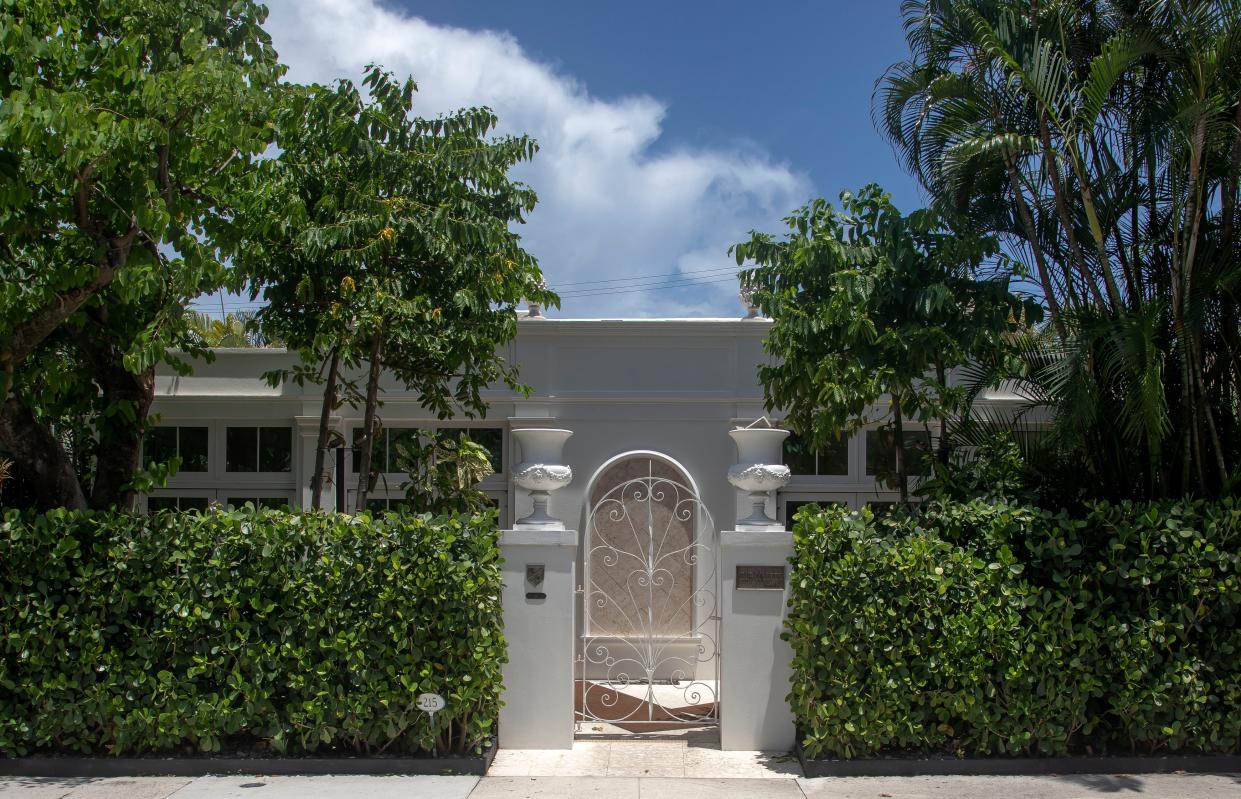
x=1161 y=786
x=677 y=769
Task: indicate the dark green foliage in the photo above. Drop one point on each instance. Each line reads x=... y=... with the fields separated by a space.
x=871 y=311
x=444 y=470
x=302 y=632
x=1099 y=142
x=993 y=628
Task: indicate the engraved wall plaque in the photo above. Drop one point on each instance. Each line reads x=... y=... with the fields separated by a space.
x=760 y=578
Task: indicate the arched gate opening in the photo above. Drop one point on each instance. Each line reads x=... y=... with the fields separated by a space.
x=648 y=657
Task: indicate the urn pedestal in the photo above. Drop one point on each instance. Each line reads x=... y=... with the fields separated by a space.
x=759 y=471
x=541 y=471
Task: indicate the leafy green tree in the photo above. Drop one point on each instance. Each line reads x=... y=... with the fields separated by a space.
x=869 y=303
x=1102 y=140
x=382 y=240
x=125 y=126
x=444 y=471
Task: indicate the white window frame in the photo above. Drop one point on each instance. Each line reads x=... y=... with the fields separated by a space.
x=492 y=482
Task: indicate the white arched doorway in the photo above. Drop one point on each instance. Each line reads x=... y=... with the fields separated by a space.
x=648 y=633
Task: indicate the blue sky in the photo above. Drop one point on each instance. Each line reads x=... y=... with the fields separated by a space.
x=668 y=130
x=793 y=78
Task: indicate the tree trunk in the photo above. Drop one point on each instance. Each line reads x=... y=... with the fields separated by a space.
x=1096 y=229
x=119 y=436
x=898 y=427
x=1027 y=222
x=325 y=425
x=1066 y=221
x=942 y=451
x=119 y=452
x=42 y=458
x=368 y=423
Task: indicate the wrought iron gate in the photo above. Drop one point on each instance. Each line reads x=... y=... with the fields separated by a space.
x=648 y=659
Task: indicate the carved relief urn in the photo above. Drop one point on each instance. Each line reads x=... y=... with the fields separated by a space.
x=541 y=471
x=758 y=470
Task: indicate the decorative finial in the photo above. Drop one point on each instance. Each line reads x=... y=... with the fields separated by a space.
x=747 y=299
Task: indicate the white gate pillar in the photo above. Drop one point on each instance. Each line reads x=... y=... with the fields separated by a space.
x=538 y=600
x=756 y=665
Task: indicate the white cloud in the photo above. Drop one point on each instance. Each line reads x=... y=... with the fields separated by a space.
x=609 y=207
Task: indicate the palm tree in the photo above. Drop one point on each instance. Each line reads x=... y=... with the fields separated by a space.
x=1099 y=139
x=231 y=330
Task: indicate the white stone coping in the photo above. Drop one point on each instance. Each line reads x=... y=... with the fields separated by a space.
x=540 y=538
x=756 y=538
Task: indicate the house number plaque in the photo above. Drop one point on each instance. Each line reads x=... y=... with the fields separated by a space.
x=760 y=578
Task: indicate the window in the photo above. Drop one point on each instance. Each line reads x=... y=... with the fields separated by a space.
x=791 y=508
x=788 y=503
x=162 y=444
x=275 y=503
x=832 y=460
x=395 y=503
x=379 y=506
x=881 y=452
x=258 y=449
x=156 y=504
x=384 y=454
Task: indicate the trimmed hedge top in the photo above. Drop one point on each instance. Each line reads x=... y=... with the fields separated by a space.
x=981 y=629
x=298 y=632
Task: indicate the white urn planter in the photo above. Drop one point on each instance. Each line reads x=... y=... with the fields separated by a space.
x=758 y=470
x=541 y=471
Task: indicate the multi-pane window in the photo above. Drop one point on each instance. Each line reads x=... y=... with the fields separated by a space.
x=379 y=506
x=275 y=503
x=385 y=455
x=881 y=452
x=156 y=504
x=258 y=449
x=830 y=460
x=162 y=444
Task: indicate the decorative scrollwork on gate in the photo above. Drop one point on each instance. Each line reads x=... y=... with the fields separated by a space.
x=649 y=656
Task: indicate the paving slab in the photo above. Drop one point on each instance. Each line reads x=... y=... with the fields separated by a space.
x=91 y=788
x=556 y=788
x=761 y=788
x=707 y=762
x=585 y=759
x=38 y=787
x=1069 y=786
x=328 y=787
x=646 y=761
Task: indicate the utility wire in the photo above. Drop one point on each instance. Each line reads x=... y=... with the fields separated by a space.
x=631 y=289
x=630 y=285
x=646 y=277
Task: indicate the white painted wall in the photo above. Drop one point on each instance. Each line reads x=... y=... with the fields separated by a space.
x=672 y=386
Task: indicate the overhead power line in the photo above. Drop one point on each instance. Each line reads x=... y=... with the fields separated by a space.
x=600 y=288
x=645 y=277
x=631 y=289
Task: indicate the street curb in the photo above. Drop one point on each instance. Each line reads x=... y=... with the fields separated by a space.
x=63 y=767
x=1019 y=766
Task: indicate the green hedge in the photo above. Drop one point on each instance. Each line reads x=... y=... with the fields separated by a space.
x=988 y=628
x=299 y=632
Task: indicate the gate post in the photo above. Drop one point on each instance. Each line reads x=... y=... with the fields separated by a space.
x=756 y=664
x=538 y=601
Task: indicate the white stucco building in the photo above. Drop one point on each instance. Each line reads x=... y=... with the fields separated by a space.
x=674 y=387
x=658 y=607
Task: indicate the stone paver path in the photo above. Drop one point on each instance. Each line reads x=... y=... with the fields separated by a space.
x=644 y=759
